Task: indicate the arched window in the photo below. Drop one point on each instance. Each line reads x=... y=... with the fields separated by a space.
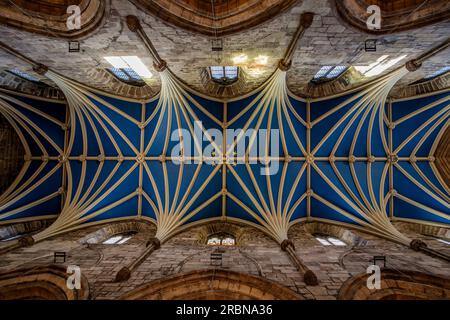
x=119 y=238
x=329 y=241
x=224 y=75
x=221 y=239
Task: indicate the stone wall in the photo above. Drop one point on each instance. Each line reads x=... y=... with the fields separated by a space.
x=329 y=41
x=255 y=255
x=11 y=154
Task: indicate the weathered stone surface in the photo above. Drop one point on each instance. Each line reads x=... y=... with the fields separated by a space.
x=255 y=254
x=328 y=41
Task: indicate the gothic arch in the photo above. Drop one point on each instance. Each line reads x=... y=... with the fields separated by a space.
x=112 y=229
x=212 y=285
x=396 y=14
x=397 y=285
x=49 y=17
x=40 y=283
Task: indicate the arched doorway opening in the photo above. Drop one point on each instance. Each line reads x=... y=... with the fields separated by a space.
x=212 y=285
x=397 y=285
x=40 y=283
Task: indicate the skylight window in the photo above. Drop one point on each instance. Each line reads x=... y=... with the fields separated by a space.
x=23 y=75
x=221 y=240
x=129 y=69
x=119 y=239
x=379 y=66
x=327 y=73
x=438 y=73
x=444 y=241
x=17 y=236
x=329 y=241
x=224 y=74
x=435 y=74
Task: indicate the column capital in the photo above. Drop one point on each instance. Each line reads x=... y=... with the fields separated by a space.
x=413 y=65
x=155 y=242
x=40 y=69
x=306 y=19
x=26 y=241
x=133 y=23
x=161 y=66
x=287 y=243
x=417 y=244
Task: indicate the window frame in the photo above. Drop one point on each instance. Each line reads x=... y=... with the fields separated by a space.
x=329 y=241
x=324 y=75
x=226 y=79
x=121 y=238
x=23 y=75
x=438 y=73
x=131 y=78
x=221 y=237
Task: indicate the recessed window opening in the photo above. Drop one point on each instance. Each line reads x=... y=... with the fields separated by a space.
x=443 y=241
x=379 y=66
x=328 y=73
x=129 y=69
x=434 y=75
x=329 y=241
x=23 y=75
x=17 y=236
x=221 y=239
x=224 y=75
x=119 y=238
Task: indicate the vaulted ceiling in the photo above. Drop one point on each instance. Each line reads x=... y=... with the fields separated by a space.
x=357 y=158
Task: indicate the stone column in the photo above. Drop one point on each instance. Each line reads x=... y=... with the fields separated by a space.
x=306 y=20
x=125 y=273
x=419 y=245
x=135 y=26
x=309 y=276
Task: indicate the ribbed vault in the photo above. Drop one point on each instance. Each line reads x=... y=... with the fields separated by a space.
x=351 y=159
x=269 y=159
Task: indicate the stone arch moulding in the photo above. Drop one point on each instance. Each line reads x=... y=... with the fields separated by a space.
x=112 y=228
x=397 y=285
x=40 y=283
x=211 y=228
x=212 y=285
x=396 y=14
x=19 y=229
x=49 y=17
x=229 y=16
